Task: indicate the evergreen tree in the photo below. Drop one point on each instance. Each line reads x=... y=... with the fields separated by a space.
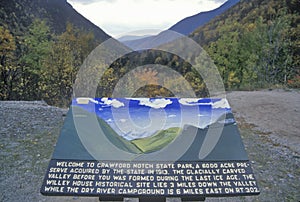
x=37 y=44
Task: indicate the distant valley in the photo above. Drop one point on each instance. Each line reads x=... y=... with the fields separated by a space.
x=132 y=37
x=184 y=27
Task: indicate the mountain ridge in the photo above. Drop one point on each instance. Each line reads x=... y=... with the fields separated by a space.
x=184 y=27
x=189 y=24
x=133 y=37
x=18 y=15
x=152 y=41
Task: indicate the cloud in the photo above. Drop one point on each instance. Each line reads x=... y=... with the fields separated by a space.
x=223 y=103
x=189 y=101
x=87 y=2
x=219 y=1
x=154 y=103
x=112 y=102
x=93 y=101
x=172 y=115
x=85 y=100
x=203 y=2
x=193 y=102
x=123 y=120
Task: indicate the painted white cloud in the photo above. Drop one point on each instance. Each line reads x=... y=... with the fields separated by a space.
x=172 y=115
x=85 y=100
x=189 y=101
x=192 y=101
x=223 y=103
x=112 y=102
x=154 y=103
x=93 y=101
x=123 y=120
x=119 y=17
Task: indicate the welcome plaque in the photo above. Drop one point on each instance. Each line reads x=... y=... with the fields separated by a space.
x=149 y=147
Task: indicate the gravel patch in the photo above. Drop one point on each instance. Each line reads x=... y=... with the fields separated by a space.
x=273 y=112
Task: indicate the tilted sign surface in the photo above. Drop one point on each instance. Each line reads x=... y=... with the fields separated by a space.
x=144 y=147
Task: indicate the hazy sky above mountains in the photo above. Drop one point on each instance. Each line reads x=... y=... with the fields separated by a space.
x=139 y=17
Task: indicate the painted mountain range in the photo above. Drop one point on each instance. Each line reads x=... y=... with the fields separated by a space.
x=143 y=125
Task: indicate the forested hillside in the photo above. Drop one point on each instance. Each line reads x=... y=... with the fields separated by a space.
x=255 y=44
x=42 y=45
x=17 y=15
x=189 y=24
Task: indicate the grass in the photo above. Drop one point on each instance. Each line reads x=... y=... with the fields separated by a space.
x=157 y=141
x=143 y=145
x=117 y=140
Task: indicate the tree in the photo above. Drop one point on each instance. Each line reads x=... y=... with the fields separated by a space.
x=274 y=62
x=63 y=62
x=147 y=77
x=37 y=44
x=8 y=70
x=226 y=54
x=255 y=54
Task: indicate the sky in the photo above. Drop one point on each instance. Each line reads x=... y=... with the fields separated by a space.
x=135 y=118
x=139 y=17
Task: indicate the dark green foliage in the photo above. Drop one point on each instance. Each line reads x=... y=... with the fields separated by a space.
x=48 y=48
x=117 y=140
x=254 y=44
x=8 y=70
x=19 y=14
x=36 y=45
x=63 y=62
x=157 y=141
x=42 y=47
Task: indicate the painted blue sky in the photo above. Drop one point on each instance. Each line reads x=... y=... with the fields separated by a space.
x=134 y=118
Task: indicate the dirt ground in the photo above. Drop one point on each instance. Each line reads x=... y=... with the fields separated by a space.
x=275 y=112
x=268 y=122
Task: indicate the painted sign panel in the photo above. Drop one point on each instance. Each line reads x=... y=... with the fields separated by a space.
x=150 y=146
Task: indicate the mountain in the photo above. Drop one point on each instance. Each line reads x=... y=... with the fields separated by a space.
x=149 y=144
x=87 y=128
x=189 y=24
x=17 y=15
x=116 y=139
x=38 y=35
x=184 y=27
x=244 y=14
x=254 y=42
x=152 y=41
x=157 y=141
x=132 y=37
x=229 y=146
